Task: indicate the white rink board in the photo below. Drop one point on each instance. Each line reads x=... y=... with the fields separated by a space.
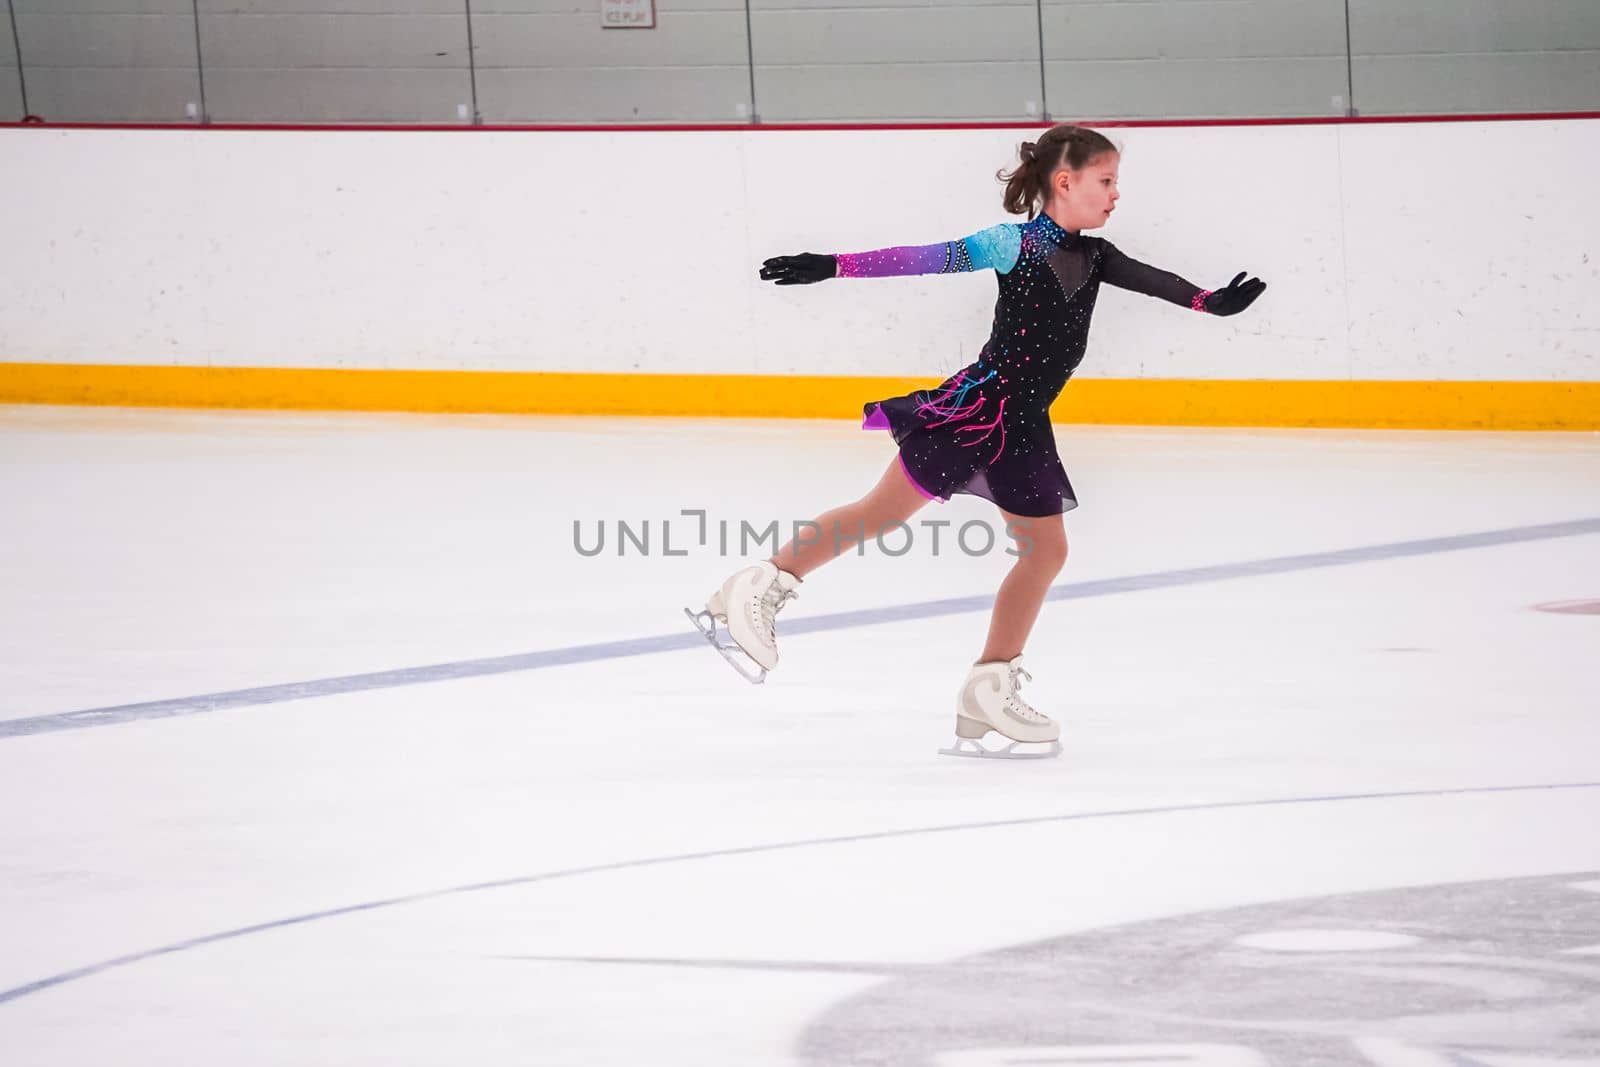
x=1452 y=251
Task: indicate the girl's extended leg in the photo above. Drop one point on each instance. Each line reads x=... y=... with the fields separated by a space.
x=1042 y=543
x=894 y=499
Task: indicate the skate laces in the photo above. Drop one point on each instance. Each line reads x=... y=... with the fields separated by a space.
x=772 y=602
x=1014 y=702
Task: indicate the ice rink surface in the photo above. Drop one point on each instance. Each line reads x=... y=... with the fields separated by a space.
x=323 y=741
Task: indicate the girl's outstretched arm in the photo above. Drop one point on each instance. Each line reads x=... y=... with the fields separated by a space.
x=1125 y=272
x=996 y=248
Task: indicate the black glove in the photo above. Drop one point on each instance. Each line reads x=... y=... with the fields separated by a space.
x=1239 y=295
x=803 y=269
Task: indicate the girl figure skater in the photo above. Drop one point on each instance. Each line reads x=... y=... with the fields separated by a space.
x=985 y=430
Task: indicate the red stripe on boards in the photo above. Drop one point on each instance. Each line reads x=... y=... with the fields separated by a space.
x=737 y=127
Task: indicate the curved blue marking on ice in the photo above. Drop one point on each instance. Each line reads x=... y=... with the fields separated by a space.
x=89 y=971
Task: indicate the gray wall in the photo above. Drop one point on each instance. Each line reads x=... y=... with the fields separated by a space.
x=109 y=60
x=369 y=61
x=1197 y=59
x=407 y=61
x=549 y=61
x=1441 y=56
x=10 y=73
x=895 y=59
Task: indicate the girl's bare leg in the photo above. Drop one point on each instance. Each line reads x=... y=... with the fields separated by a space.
x=1042 y=543
x=894 y=499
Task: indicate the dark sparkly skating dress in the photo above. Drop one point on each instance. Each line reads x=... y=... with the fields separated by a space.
x=986 y=429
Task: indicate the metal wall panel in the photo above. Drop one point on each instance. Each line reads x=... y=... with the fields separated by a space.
x=339 y=61
x=110 y=60
x=859 y=60
x=1195 y=58
x=552 y=61
x=1445 y=56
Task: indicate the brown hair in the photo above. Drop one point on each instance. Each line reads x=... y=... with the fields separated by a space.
x=1027 y=187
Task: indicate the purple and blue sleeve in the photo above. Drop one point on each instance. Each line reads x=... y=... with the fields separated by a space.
x=996 y=248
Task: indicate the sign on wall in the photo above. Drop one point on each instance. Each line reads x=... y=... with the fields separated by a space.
x=628 y=14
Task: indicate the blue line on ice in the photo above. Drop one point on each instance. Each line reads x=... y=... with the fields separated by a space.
x=640 y=646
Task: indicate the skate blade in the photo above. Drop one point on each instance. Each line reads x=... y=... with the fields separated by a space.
x=737 y=658
x=966 y=746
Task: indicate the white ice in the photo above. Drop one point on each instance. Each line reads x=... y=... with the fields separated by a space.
x=697 y=870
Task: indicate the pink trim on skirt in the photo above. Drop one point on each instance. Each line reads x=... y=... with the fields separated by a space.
x=879 y=421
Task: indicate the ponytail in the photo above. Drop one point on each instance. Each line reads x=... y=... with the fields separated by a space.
x=1028 y=184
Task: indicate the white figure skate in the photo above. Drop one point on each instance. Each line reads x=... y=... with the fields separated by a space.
x=990 y=701
x=748 y=604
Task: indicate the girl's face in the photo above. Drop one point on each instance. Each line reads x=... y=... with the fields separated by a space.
x=1084 y=199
